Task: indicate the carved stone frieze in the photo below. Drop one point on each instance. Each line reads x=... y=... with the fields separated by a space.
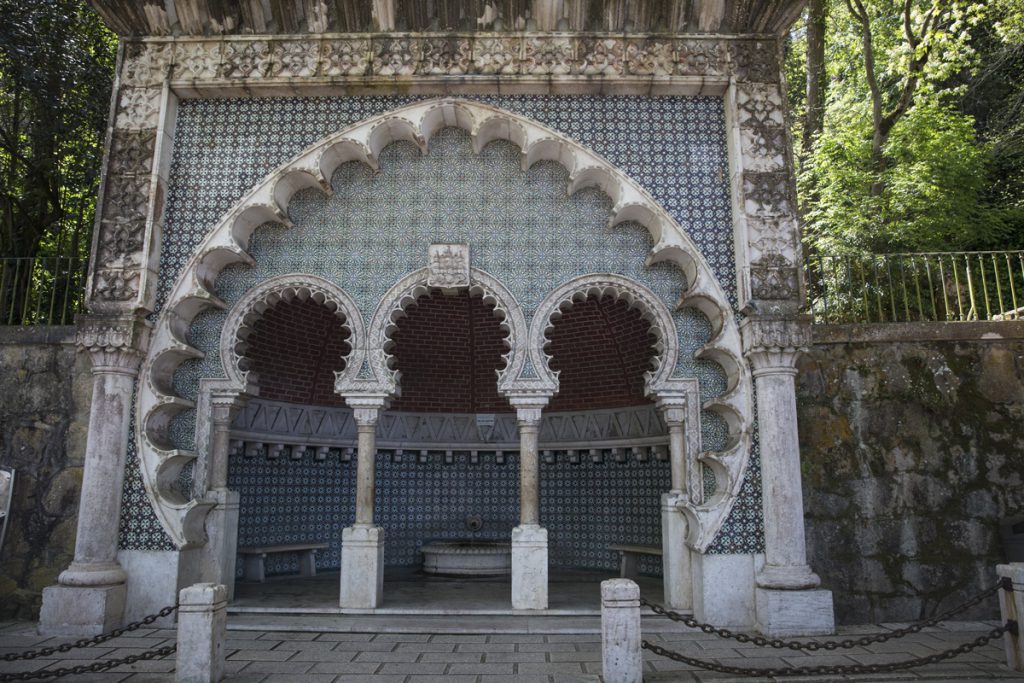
x=754 y=61
x=767 y=193
x=442 y=56
x=772 y=234
x=774 y=277
x=775 y=343
x=764 y=147
x=700 y=58
x=603 y=57
x=649 y=57
x=139 y=108
x=131 y=152
x=759 y=105
x=145 y=64
x=115 y=342
x=395 y=56
x=247 y=59
x=341 y=57
x=497 y=56
x=545 y=56
x=295 y=59
x=197 y=60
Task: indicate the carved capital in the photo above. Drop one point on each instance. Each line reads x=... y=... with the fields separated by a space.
x=529 y=408
x=673 y=410
x=115 y=343
x=773 y=345
x=366 y=408
x=225 y=406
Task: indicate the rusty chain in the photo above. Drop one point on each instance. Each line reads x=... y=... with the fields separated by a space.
x=89 y=642
x=813 y=646
x=838 y=669
x=95 y=667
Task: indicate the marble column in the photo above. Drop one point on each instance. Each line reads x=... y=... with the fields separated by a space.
x=676 y=569
x=786 y=605
x=529 y=539
x=222 y=521
x=89 y=598
x=362 y=544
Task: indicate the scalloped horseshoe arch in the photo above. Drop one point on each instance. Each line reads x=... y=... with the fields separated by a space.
x=227 y=243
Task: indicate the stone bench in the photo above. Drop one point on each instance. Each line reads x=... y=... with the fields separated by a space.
x=629 y=554
x=253 y=568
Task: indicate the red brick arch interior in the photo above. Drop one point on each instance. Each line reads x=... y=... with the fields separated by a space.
x=448 y=349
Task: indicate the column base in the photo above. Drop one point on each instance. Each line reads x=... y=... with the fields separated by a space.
x=786 y=613
x=362 y=567
x=81 y=610
x=676 y=566
x=529 y=567
x=789 y=577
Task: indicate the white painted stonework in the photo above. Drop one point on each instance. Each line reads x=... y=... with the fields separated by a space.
x=621 y=655
x=202 y=628
x=362 y=567
x=784 y=613
x=529 y=567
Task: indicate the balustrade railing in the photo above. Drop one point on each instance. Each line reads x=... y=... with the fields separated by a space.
x=44 y=290
x=921 y=287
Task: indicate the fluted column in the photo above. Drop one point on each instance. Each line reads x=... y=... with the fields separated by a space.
x=773 y=345
x=529 y=539
x=362 y=544
x=89 y=597
x=676 y=569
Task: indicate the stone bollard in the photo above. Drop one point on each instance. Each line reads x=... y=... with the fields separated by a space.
x=621 y=658
x=202 y=622
x=1011 y=606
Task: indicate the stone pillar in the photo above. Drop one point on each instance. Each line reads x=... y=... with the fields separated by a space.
x=222 y=521
x=89 y=597
x=621 y=655
x=362 y=544
x=202 y=627
x=785 y=606
x=1011 y=607
x=678 y=575
x=529 y=539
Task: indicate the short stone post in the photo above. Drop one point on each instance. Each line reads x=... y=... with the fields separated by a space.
x=621 y=656
x=202 y=622
x=529 y=538
x=1011 y=606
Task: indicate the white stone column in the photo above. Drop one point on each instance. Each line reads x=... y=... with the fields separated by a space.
x=89 y=597
x=529 y=539
x=677 y=572
x=362 y=544
x=784 y=605
x=1011 y=606
x=222 y=521
x=621 y=654
x=202 y=628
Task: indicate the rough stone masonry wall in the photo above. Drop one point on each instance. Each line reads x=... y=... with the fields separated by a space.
x=44 y=414
x=912 y=452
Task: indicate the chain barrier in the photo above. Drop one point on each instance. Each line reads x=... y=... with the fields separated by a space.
x=95 y=667
x=813 y=646
x=839 y=669
x=1010 y=626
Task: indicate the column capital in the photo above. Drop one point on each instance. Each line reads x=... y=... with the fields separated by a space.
x=225 y=404
x=116 y=343
x=773 y=344
x=366 y=407
x=673 y=409
x=529 y=407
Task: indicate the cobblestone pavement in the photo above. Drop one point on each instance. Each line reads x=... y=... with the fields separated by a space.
x=307 y=657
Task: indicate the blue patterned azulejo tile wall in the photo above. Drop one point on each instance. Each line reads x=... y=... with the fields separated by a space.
x=521 y=226
x=585 y=506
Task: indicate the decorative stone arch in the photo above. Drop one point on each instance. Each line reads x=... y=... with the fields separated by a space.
x=367 y=370
x=375 y=374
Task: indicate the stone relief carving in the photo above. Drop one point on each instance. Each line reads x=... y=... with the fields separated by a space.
x=754 y=60
x=767 y=193
x=145 y=64
x=197 y=60
x=295 y=59
x=247 y=59
x=775 y=342
x=759 y=105
x=345 y=57
x=602 y=57
x=113 y=341
x=698 y=57
x=764 y=147
x=496 y=55
x=548 y=56
x=139 y=108
x=395 y=57
x=131 y=152
x=446 y=56
x=773 y=277
x=650 y=58
x=448 y=265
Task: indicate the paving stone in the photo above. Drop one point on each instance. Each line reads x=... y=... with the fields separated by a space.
x=516 y=678
x=435 y=668
x=593 y=656
x=515 y=638
x=547 y=647
x=425 y=647
x=448 y=638
x=548 y=667
x=453 y=657
x=261 y=655
x=445 y=678
x=362 y=668
x=402 y=637
x=477 y=669
x=237 y=634
x=317 y=656
x=349 y=646
x=104 y=677
x=361 y=678
x=379 y=657
x=232 y=644
x=304 y=678
x=485 y=647
x=304 y=645
x=516 y=657
x=278 y=667
x=19 y=665
x=353 y=637
x=572 y=638
x=287 y=635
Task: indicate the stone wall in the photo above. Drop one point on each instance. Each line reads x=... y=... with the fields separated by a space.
x=912 y=446
x=44 y=416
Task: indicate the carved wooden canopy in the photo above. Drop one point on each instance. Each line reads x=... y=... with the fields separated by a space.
x=223 y=17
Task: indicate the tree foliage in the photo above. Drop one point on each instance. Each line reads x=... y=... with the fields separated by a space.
x=919 y=148
x=56 y=71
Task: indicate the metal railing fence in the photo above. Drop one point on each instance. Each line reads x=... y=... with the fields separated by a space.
x=41 y=290
x=921 y=287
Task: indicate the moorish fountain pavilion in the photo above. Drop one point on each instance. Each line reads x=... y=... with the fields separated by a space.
x=379 y=275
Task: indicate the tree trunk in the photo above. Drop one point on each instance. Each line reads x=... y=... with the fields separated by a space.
x=817 y=15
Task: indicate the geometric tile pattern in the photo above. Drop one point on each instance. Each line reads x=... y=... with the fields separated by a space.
x=525 y=230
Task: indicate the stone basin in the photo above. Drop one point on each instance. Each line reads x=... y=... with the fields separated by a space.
x=467 y=558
